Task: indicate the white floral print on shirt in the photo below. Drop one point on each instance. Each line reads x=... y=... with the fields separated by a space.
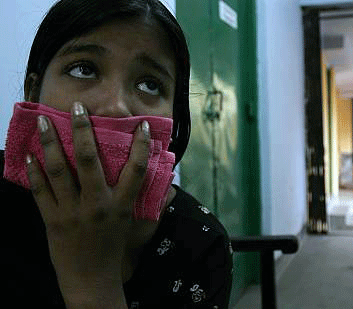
x=177 y=286
x=204 y=210
x=165 y=246
x=198 y=294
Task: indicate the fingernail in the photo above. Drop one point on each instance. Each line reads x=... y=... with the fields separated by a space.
x=146 y=128
x=79 y=110
x=43 y=124
x=29 y=159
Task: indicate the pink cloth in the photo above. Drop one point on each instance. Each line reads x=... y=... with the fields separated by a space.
x=113 y=138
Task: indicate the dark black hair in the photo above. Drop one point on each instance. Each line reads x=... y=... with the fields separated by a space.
x=69 y=19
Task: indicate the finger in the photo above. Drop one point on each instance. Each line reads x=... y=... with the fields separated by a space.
x=132 y=175
x=58 y=172
x=41 y=190
x=89 y=168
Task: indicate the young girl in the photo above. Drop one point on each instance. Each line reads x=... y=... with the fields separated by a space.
x=70 y=241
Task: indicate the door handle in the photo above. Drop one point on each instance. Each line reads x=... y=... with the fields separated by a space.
x=213 y=105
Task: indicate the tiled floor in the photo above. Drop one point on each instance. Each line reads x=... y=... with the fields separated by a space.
x=319 y=276
x=340 y=211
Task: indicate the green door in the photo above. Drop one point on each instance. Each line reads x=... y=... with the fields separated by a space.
x=220 y=167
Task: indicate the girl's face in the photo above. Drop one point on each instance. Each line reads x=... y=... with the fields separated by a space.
x=121 y=69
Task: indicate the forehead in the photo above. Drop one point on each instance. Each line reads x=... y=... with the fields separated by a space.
x=132 y=36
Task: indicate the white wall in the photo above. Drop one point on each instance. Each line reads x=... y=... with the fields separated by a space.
x=18 y=22
x=170 y=4
x=281 y=116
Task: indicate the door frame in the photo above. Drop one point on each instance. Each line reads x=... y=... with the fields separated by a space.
x=317 y=216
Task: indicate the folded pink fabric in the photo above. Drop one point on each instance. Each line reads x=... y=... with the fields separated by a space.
x=113 y=139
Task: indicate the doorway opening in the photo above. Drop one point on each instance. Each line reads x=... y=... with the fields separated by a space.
x=337 y=75
x=329 y=97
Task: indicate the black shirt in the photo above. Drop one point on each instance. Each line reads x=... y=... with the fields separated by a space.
x=187 y=263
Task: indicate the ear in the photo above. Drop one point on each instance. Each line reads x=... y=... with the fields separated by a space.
x=32 y=89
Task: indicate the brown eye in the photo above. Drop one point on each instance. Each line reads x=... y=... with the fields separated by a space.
x=150 y=87
x=82 y=71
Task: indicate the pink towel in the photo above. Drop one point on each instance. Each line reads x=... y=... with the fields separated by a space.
x=113 y=138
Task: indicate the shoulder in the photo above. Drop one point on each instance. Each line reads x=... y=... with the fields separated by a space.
x=19 y=201
x=191 y=229
x=23 y=226
x=7 y=187
x=26 y=262
x=189 y=212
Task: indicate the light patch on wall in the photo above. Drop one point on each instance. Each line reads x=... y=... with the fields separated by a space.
x=228 y=15
x=170 y=4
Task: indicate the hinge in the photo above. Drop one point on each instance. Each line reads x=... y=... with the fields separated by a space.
x=251 y=110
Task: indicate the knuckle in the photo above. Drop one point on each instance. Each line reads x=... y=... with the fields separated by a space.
x=47 y=139
x=81 y=123
x=99 y=215
x=59 y=227
x=56 y=169
x=145 y=142
x=140 y=167
x=141 y=140
x=37 y=188
x=86 y=157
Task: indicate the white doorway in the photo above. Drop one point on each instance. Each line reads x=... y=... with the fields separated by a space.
x=336 y=28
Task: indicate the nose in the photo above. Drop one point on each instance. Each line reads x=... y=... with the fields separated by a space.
x=114 y=105
x=116 y=109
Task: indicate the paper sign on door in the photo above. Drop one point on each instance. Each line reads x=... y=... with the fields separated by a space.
x=228 y=15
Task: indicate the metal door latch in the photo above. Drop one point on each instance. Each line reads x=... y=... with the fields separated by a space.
x=213 y=105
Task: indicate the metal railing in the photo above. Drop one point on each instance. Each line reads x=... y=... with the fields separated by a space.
x=266 y=245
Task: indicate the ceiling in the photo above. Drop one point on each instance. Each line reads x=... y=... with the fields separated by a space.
x=337 y=47
x=326 y=3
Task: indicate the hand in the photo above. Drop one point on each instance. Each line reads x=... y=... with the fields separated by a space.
x=86 y=220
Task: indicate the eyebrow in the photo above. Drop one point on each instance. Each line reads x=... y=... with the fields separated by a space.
x=143 y=58
x=147 y=60
x=83 y=48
